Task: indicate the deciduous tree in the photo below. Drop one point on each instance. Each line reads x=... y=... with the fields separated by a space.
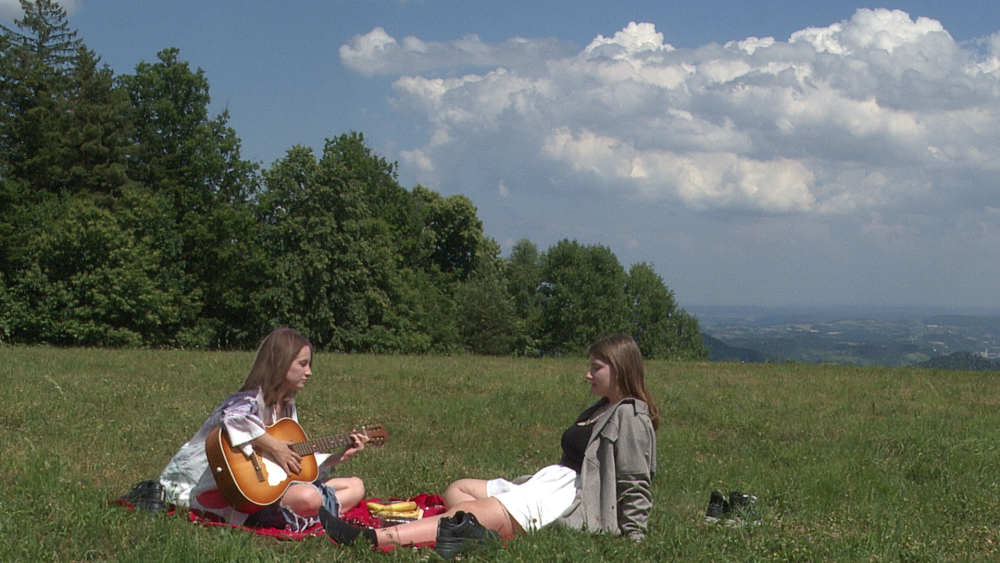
x=192 y=161
x=333 y=269
x=661 y=329
x=582 y=297
x=487 y=321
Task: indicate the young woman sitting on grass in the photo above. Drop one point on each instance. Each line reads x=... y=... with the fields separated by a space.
x=602 y=482
x=280 y=369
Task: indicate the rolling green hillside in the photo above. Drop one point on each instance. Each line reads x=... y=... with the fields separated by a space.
x=848 y=463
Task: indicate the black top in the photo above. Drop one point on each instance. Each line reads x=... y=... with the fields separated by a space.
x=576 y=438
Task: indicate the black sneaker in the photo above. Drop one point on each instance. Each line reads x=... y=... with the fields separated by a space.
x=717 y=506
x=741 y=506
x=461 y=532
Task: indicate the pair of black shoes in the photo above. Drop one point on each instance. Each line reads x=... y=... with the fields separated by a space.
x=461 y=533
x=738 y=507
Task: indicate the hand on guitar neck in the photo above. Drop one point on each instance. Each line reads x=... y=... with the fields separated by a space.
x=358 y=444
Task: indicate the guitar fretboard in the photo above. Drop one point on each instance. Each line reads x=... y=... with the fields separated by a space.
x=328 y=444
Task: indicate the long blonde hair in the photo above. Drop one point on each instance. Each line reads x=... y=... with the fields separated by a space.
x=270 y=365
x=622 y=354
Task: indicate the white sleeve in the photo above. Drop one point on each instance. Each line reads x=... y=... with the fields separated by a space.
x=241 y=418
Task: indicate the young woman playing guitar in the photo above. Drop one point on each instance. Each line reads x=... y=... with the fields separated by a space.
x=280 y=369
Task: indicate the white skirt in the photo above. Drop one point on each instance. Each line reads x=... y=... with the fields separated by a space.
x=540 y=500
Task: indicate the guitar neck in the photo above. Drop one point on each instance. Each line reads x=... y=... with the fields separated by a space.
x=328 y=444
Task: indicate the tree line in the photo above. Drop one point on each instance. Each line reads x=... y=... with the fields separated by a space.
x=128 y=217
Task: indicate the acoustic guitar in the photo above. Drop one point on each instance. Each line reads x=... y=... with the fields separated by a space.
x=249 y=483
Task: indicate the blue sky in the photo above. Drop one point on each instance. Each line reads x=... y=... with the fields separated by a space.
x=754 y=152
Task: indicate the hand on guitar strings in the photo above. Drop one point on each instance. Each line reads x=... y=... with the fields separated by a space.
x=290 y=461
x=355 y=448
x=281 y=452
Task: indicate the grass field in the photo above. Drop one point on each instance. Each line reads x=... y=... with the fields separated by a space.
x=849 y=464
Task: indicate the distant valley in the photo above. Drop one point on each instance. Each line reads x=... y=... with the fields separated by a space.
x=850 y=336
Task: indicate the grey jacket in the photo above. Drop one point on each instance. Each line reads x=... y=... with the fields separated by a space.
x=619 y=463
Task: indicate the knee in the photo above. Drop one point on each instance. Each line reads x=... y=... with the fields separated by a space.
x=459 y=491
x=303 y=500
x=349 y=490
x=355 y=485
x=457 y=487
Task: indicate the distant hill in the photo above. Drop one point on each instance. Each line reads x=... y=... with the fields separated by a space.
x=965 y=321
x=965 y=361
x=890 y=339
x=722 y=352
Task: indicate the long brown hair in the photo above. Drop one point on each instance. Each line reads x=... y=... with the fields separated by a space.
x=622 y=354
x=270 y=365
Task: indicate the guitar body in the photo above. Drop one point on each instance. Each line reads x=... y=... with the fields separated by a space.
x=251 y=483
x=239 y=481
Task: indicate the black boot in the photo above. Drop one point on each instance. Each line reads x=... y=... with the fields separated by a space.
x=342 y=532
x=147 y=495
x=460 y=533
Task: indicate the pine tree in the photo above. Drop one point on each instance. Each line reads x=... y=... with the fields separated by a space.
x=37 y=69
x=92 y=149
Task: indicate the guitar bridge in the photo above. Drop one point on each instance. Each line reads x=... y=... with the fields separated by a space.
x=255 y=460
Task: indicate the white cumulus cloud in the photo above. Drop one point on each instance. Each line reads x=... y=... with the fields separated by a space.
x=376 y=52
x=878 y=112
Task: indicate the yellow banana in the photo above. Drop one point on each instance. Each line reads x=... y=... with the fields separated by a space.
x=393 y=507
x=411 y=515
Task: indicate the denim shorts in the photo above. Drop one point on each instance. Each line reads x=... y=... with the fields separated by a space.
x=280 y=517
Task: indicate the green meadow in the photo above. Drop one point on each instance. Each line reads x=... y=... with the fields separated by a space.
x=848 y=463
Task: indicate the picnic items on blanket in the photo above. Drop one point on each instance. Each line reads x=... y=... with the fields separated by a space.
x=395 y=513
x=361 y=515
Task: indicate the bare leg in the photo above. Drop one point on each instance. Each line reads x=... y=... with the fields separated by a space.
x=464 y=490
x=349 y=490
x=302 y=499
x=489 y=511
x=305 y=500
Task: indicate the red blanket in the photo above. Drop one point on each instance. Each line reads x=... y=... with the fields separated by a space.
x=359 y=516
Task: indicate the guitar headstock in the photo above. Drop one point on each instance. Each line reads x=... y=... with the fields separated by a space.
x=377 y=436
